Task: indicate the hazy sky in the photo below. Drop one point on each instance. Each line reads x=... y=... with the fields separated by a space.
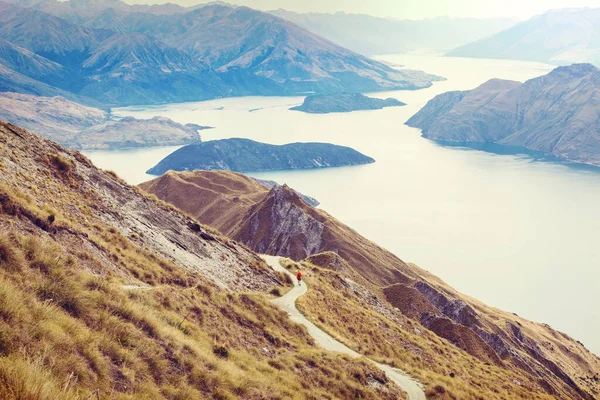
x=412 y=9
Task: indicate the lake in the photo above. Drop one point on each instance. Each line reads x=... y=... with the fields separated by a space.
x=508 y=229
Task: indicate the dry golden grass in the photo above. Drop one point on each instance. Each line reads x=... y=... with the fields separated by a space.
x=448 y=372
x=68 y=333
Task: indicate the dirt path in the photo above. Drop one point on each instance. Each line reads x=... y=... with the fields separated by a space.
x=287 y=303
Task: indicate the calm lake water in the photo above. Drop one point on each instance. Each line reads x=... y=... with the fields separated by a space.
x=515 y=232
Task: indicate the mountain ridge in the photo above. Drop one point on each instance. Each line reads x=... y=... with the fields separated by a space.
x=555 y=114
x=120 y=56
x=560 y=37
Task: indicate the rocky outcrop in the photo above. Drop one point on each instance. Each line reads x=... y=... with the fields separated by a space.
x=343 y=102
x=461 y=336
x=277 y=225
x=555 y=114
x=244 y=155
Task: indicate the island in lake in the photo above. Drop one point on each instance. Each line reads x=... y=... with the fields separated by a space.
x=344 y=102
x=244 y=155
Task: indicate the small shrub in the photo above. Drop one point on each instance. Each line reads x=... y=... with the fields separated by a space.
x=61 y=164
x=62 y=293
x=276 y=292
x=221 y=351
x=11 y=258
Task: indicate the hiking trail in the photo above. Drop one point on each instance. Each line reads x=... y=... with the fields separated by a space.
x=287 y=302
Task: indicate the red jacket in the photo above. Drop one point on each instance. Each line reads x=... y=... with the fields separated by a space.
x=299 y=275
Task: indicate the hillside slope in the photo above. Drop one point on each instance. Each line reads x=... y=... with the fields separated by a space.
x=556 y=114
x=107 y=293
x=560 y=37
x=399 y=298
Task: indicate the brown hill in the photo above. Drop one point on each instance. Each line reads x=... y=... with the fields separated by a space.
x=107 y=293
x=279 y=222
x=276 y=222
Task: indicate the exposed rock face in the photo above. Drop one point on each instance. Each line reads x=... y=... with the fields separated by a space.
x=244 y=155
x=161 y=230
x=561 y=36
x=343 y=102
x=456 y=310
x=556 y=114
x=271 y=184
x=88 y=128
x=461 y=336
x=278 y=225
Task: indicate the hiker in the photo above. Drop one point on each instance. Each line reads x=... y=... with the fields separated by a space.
x=299 y=277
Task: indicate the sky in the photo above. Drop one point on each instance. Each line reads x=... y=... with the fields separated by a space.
x=410 y=9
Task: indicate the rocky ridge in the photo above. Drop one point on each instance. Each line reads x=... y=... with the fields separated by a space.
x=117 y=54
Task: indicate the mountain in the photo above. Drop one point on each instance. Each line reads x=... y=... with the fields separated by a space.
x=556 y=114
x=380 y=305
x=83 y=127
x=343 y=102
x=28 y=63
x=561 y=37
x=244 y=155
x=259 y=53
x=137 y=68
x=123 y=55
x=135 y=299
x=50 y=37
x=369 y=35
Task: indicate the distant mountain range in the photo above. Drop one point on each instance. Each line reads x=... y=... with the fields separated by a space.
x=371 y=35
x=244 y=155
x=109 y=52
x=560 y=37
x=556 y=114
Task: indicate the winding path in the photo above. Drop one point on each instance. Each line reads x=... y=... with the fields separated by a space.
x=287 y=303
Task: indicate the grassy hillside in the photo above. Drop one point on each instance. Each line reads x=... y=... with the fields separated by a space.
x=384 y=307
x=108 y=293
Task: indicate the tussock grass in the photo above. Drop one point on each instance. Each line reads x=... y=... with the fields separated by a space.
x=66 y=332
x=448 y=372
x=11 y=258
x=25 y=380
